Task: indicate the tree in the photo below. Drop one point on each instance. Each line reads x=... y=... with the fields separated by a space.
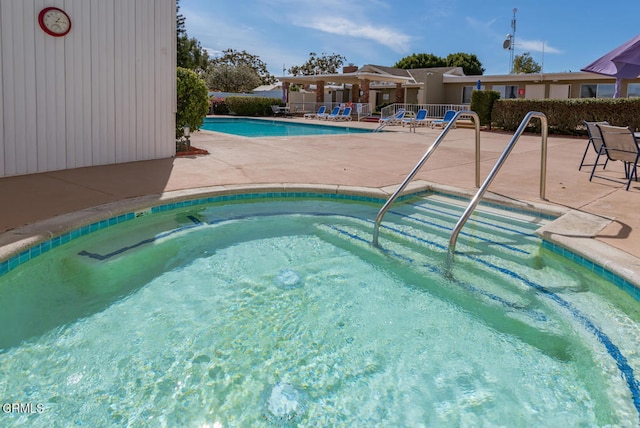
x=189 y=52
x=231 y=78
x=525 y=64
x=192 y=101
x=470 y=63
x=318 y=65
x=233 y=58
x=421 y=60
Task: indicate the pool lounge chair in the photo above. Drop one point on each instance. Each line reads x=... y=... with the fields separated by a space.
x=345 y=115
x=595 y=141
x=619 y=144
x=334 y=112
x=419 y=120
x=396 y=119
x=280 y=111
x=320 y=112
x=448 y=115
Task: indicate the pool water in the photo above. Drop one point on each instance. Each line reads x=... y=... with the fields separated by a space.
x=282 y=314
x=273 y=128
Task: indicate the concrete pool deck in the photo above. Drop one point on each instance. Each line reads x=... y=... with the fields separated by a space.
x=601 y=219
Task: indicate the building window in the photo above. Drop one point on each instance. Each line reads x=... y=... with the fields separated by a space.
x=466 y=94
x=633 y=90
x=600 y=90
x=506 y=91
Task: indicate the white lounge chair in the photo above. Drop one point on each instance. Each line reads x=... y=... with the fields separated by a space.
x=419 y=120
x=334 y=112
x=448 y=115
x=396 y=119
x=345 y=115
x=320 y=112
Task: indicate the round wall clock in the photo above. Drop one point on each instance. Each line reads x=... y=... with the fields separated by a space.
x=54 y=21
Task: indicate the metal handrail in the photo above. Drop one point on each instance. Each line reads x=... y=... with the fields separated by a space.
x=476 y=199
x=414 y=171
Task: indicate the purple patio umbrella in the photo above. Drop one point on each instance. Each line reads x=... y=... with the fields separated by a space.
x=622 y=63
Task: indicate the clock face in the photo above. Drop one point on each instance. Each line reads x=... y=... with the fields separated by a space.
x=54 y=21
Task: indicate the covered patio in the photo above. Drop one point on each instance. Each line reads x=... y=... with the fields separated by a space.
x=358 y=81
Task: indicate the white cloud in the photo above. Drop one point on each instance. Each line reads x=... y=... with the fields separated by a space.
x=383 y=35
x=535 y=46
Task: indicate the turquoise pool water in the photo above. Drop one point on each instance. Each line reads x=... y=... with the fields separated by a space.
x=280 y=313
x=273 y=128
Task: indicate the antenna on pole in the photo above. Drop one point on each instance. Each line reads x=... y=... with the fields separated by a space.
x=510 y=40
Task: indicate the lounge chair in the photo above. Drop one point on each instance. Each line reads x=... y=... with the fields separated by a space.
x=334 y=112
x=396 y=119
x=419 y=120
x=277 y=111
x=320 y=112
x=619 y=144
x=595 y=141
x=280 y=111
x=448 y=115
x=345 y=115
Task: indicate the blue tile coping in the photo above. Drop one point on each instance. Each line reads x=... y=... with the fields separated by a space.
x=13 y=262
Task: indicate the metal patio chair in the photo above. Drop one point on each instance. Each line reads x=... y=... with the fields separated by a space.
x=619 y=144
x=595 y=141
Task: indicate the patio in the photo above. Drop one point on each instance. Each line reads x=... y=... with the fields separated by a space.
x=604 y=224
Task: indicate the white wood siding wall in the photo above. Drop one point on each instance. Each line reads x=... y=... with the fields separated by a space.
x=104 y=93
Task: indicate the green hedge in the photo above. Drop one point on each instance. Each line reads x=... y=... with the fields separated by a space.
x=251 y=106
x=482 y=104
x=565 y=117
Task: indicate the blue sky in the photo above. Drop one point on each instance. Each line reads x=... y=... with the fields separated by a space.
x=572 y=33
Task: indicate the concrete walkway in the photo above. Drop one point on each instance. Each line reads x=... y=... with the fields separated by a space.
x=602 y=219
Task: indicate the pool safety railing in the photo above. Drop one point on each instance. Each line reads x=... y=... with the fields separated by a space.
x=425 y=157
x=476 y=199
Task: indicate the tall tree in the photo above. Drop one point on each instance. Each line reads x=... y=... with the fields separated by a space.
x=231 y=78
x=324 y=64
x=421 y=60
x=233 y=58
x=525 y=64
x=189 y=52
x=470 y=63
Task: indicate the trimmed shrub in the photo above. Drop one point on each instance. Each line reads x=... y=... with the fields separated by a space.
x=192 y=101
x=482 y=104
x=218 y=106
x=565 y=117
x=252 y=106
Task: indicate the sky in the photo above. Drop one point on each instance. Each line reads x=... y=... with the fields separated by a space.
x=560 y=35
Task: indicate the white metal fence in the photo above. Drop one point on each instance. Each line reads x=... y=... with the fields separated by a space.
x=358 y=110
x=362 y=110
x=433 y=110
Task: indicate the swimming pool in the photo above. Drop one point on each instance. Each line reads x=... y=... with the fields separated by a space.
x=247 y=127
x=275 y=309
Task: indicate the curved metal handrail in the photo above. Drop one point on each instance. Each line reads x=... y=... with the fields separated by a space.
x=476 y=199
x=414 y=171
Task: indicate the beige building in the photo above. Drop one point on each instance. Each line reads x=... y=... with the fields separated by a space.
x=379 y=85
